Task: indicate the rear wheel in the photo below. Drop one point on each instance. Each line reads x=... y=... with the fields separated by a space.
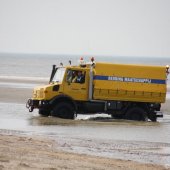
x=136 y=113
x=153 y=117
x=63 y=110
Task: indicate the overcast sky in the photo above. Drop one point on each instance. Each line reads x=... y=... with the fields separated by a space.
x=86 y=27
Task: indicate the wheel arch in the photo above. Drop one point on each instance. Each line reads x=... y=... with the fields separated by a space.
x=141 y=105
x=63 y=98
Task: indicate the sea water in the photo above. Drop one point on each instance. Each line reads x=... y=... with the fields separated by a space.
x=40 y=66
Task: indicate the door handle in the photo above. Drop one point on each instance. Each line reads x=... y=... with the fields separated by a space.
x=83 y=88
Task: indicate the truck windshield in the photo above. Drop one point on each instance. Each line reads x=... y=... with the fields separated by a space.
x=59 y=75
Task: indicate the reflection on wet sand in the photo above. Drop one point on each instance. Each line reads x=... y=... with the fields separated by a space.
x=86 y=120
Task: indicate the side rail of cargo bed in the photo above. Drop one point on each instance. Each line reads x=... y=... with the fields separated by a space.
x=125 y=110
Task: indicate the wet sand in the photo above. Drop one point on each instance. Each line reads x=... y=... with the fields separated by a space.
x=17 y=90
x=32 y=152
x=14 y=95
x=21 y=152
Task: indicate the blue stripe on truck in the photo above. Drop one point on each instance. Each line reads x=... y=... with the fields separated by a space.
x=129 y=79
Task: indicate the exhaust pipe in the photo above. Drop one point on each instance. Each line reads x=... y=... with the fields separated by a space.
x=52 y=73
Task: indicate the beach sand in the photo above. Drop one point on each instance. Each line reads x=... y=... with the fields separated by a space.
x=32 y=152
x=21 y=152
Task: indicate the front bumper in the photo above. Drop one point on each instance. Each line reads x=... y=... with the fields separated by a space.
x=31 y=104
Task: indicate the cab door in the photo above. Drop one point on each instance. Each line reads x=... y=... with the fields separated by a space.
x=77 y=91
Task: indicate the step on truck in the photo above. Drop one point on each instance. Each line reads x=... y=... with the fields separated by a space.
x=133 y=92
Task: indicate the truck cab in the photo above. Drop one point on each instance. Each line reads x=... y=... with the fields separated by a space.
x=67 y=86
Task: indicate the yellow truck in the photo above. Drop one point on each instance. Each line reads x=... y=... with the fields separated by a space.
x=133 y=92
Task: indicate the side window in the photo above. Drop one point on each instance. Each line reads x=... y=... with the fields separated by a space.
x=80 y=77
x=75 y=76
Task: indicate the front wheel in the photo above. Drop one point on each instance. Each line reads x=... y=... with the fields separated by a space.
x=117 y=116
x=44 y=112
x=136 y=113
x=63 y=110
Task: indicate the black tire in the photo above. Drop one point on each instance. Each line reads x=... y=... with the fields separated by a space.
x=117 y=116
x=63 y=110
x=136 y=113
x=44 y=112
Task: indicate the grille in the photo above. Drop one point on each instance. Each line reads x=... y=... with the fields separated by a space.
x=39 y=93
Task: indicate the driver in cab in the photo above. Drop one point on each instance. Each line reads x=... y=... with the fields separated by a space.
x=79 y=77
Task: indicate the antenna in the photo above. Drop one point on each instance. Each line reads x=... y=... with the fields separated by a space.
x=69 y=62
